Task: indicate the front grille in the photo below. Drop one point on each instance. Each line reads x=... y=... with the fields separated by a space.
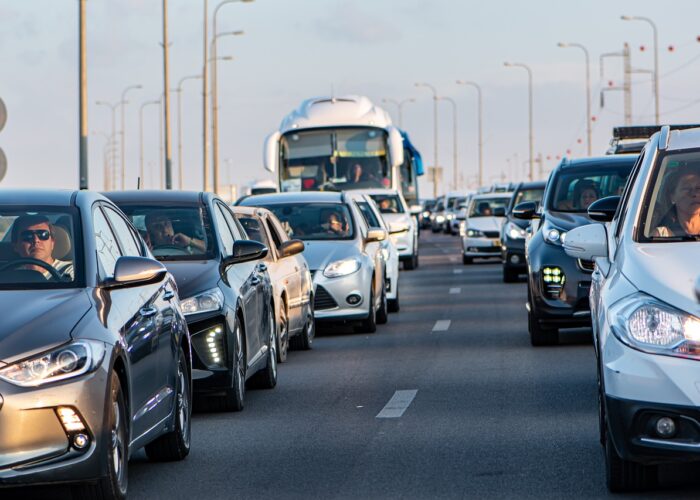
x=323 y=299
x=586 y=265
x=491 y=234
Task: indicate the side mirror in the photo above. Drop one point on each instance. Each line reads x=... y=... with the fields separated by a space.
x=244 y=251
x=398 y=228
x=499 y=212
x=587 y=242
x=291 y=247
x=375 y=234
x=415 y=209
x=526 y=210
x=603 y=210
x=395 y=147
x=271 y=151
x=132 y=271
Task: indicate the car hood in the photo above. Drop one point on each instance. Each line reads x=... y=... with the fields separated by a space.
x=397 y=218
x=34 y=321
x=568 y=221
x=485 y=223
x=666 y=271
x=321 y=253
x=193 y=277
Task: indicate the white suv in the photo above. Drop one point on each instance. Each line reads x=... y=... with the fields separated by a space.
x=645 y=311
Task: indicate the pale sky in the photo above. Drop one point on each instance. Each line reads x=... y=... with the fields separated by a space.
x=295 y=49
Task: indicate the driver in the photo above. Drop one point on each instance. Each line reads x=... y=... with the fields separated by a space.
x=161 y=233
x=33 y=237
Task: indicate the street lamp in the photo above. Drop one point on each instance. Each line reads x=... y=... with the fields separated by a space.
x=82 y=98
x=124 y=102
x=455 y=178
x=656 y=58
x=588 y=89
x=435 y=129
x=215 y=99
x=529 y=86
x=179 y=123
x=141 y=171
x=399 y=105
x=479 y=120
x=113 y=107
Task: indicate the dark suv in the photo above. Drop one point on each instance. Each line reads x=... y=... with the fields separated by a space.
x=513 y=231
x=558 y=285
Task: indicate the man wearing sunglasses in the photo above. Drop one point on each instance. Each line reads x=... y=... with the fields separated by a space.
x=33 y=237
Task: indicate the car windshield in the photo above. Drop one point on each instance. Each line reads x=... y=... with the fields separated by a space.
x=174 y=233
x=528 y=195
x=315 y=221
x=40 y=248
x=388 y=203
x=672 y=209
x=487 y=207
x=575 y=189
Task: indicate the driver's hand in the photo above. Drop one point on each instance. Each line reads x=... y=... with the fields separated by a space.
x=181 y=240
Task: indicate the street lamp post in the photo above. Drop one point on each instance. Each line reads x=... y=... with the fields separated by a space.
x=105 y=157
x=166 y=102
x=455 y=170
x=113 y=107
x=179 y=124
x=205 y=104
x=479 y=120
x=588 y=90
x=399 y=105
x=82 y=99
x=141 y=170
x=531 y=140
x=656 y=58
x=124 y=102
x=435 y=124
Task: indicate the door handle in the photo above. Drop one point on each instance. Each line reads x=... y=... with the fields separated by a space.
x=262 y=267
x=148 y=311
x=169 y=295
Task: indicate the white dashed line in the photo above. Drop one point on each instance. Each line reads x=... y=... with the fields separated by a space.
x=442 y=325
x=398 y=404
x=457 y=271
x=455 y=291
x=453 y=259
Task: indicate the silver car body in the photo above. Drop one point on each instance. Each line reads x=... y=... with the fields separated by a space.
x=485 y=242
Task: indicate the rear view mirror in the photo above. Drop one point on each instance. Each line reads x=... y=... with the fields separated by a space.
x=291 y=247
x=603 y=210
x=415 y=209
x=499 y=212
x=587 y=242
x=375 y=235
x=526 y=210
x=244 y=251
x=271 y=151
x=136 y=271
x=395 y=147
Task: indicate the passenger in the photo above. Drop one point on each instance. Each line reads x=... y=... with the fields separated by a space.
x=33 y=237
x=355 y=171
x=682 y=190
x=386 y=207
x=585 y=193
x=336 y=225
x=485 y=209
x=161 y=233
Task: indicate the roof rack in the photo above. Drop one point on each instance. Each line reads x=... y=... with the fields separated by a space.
x=645 y=131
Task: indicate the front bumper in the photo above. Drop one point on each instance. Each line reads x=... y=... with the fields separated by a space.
x=35 y=448
x=331 y=296
x=513 y=253
x=211 y=362
x=481 y=247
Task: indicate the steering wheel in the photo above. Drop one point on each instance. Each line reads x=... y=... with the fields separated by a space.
x=34 y=262
x=165 y=250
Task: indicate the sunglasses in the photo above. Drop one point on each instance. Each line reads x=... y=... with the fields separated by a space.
x=28 y=235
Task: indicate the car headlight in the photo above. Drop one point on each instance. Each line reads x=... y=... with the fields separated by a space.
x=514 y=231
x=440 y=219
x=649 y=325
x=426 y=214
x=450 y=216
x=475 y=233
x=553 y=235
x=341 y=268
x=70 y=360
x=210 y=300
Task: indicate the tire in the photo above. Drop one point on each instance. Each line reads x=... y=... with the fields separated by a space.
x=369 y=325
x=305 y=339
x=175 y=445
x=415 y=260
x=393 y=304
x=409 y=264
x=267 y=377
x=383 y=311
x=509 y=275
x=539 y=335
x=467 y=260
x=623 y=475
x=282 y=334
x=115 y=484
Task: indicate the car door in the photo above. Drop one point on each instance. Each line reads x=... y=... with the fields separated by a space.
x=373 y=250
x=133 y=317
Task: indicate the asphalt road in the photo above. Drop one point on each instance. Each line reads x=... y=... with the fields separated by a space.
x=491 y=416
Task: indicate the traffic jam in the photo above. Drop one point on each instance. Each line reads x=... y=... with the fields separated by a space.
x=171 y=342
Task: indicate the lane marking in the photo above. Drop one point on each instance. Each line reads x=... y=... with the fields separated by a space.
x=453 y=259
x=454 y=291
x=398 y=404
x=442 y=325
x=457 y=271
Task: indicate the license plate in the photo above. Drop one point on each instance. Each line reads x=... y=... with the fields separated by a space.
x=496 y=243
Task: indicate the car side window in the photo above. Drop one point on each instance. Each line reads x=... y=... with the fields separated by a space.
x=621 y=213
x=236 y=229
x=224 y=230
x=125 y=234
x=273 y=233
x=106 y=243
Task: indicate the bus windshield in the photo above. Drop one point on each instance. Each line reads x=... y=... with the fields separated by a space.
x=409 y=179
x=334 y=159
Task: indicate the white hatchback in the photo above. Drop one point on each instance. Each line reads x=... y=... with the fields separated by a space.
x=480 y=232
x=645 y=312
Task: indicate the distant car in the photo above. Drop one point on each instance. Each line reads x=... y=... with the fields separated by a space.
x=460 y=213
x=437 y=216
x=514 y=231
x=480 y=232
x=558 y=285
x=427 y=207
x=452 y=199
x=95 y=356
x=290 y=277
x=224 y=287
x=344 y=255
x=645 y=312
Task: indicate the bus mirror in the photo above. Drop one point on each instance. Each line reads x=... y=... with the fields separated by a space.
x=271 y=151
x=395 y=147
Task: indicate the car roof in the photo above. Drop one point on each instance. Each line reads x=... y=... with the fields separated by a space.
x=375 y=191
x=597 y=161
x=157 y=196
x=531 y=185
x=39 y=197
x=684 y=139
x=296 y=197
x=492 y=195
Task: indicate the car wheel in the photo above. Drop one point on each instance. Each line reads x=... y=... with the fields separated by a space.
x=383 y=311
x=267 y=377
x=623 y=475
x=415 y=260
x=394 y=305
x=409 y=264
x=370 y=324
x=304 y=340
x=282 y=335
x=115 y=484
x=175 y=445
x=467 y=260
x=539 y=335
x=509 y=275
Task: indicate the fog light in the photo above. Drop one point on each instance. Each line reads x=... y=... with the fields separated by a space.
x=80 y=441
x=665 y=427
x=70 y=419
x=353 y=299
x=554 y=279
